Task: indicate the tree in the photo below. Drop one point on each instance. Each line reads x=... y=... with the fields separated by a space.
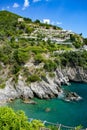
x=11 y=120
x=37 y=21
x=85 y=41
x=27 y=19
x=50 y=66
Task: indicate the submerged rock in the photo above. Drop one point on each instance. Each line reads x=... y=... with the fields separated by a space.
x=28 y=101
x=47 y=109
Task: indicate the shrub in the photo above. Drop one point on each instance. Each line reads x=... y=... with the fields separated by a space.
x=4 y=55
x=50 y=66
x=36 y=125
x=29 y=30
x=20 y=55
x=74 y=59
x=2 y=85
x=10 y=120
x=79 y=127
x=27 y=20
x=23 y=56
x=43 y=75
x=57 y=61
x=38 y=58
x=37 y=21
x=77 y=44
x=53 y=127
x=77 y=40
x=52 y=75
x=33 y=78
x=37 y=49
x=5 y=59
x=85 y=41
x=15 y=68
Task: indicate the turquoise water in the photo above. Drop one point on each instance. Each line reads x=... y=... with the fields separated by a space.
x=67 y=113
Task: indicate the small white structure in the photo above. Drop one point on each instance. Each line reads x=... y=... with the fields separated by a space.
x=85 y=47
x=47 y=21
x=20 y=20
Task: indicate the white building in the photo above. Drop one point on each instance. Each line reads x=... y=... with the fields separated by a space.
x=85 y=47
x=20 y=20
x=47 y=21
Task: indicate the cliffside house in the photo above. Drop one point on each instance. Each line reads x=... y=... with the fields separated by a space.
x=20 y=20
x=85 y=47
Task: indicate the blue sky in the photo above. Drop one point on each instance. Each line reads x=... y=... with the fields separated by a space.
x=68 y=14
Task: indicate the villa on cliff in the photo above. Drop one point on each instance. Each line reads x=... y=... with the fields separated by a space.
x=20 y=20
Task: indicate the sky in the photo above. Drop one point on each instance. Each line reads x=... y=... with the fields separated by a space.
x=68 y=14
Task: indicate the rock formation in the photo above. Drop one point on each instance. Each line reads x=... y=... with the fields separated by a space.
x=42 y=89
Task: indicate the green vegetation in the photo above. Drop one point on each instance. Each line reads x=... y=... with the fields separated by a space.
x=56 y=128
x=85 y=41
x=26 y=53
x=74 y=59
x=39 y=58
x=79 y=127
x=2 y=83
x=77 y=40
x=33 y=78
x=10 y=120
x=52 y=75
x=50 y=66
x=19 y=45
x=7 y=28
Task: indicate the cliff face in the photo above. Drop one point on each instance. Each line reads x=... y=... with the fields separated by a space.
x=77 y=74
x=47 y=88
x=29 y=54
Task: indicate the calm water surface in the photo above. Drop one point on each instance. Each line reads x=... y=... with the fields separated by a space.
x=67 y=113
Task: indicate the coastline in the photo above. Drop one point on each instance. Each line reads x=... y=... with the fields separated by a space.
x=45 y=89
x=57 y=110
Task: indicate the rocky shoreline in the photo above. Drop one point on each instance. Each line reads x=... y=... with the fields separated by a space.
x=45 y=89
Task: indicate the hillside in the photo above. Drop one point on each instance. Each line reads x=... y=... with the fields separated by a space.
x=36 y=58
x=8 y=21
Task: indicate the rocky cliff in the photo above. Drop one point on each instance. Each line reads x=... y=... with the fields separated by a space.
x=30 y=54
x=47 y=88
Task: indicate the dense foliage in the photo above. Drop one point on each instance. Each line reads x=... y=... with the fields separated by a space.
x=85 y=41
x=10 y=120
x=17 y=49
x=8 y=22
x=74 y=59
x=77 y=40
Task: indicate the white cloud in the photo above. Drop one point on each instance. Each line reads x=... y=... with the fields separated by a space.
x=26 y=4
x=15 y=5
x=46 y=21
x=36 y=0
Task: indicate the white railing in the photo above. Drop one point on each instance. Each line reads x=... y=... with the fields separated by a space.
x=59 y=126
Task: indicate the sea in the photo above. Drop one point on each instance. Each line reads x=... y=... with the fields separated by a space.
x=57 y=110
